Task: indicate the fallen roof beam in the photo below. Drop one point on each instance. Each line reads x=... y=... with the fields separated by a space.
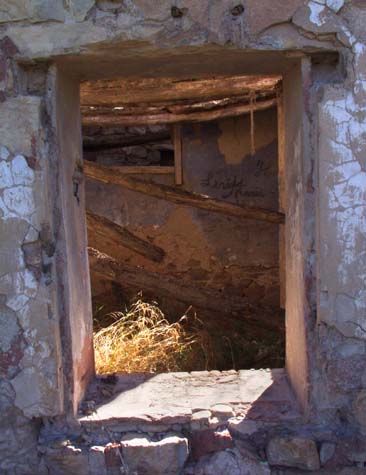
x=167 y=286
x=113 y=234
x=113 y=118
x=104 y=142
x=115 y=176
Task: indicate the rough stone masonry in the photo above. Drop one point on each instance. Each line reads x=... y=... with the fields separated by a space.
x=46 y=48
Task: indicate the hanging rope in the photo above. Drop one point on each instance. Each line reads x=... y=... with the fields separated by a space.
x=252 y=126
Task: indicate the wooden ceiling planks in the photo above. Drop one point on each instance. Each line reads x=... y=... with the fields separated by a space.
x=119 y=92
x=169 y=101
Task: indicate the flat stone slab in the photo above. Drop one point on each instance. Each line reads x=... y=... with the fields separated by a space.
x=174 y=398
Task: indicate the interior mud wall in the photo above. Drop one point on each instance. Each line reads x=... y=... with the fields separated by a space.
x=233 y=256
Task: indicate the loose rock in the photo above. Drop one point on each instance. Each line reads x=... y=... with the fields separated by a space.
x=147 y=457
x=293 y=452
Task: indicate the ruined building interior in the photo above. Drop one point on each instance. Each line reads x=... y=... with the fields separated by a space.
x=208 y=156
x=215 y=138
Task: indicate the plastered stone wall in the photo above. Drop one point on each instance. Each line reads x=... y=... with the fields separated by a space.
x=30 y=351
x=89 y=39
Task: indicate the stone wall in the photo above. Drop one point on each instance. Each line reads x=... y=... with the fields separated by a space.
x=91 y=39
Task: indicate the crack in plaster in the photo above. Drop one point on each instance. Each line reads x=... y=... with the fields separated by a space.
x=344 y=135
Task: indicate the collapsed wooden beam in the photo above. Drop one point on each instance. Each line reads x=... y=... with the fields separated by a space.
x=147 y=170
x=110 y=233
x=115 y=176
x=165 y=286
x=105 y=143
x=113 y=118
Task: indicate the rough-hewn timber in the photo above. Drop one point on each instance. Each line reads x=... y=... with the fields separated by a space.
x=147 y=90
x=115 y=176
x=114 y=118
x=166 y=286
x=111 y=233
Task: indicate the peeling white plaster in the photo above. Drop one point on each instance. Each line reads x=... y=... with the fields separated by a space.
x=43 y=350
x=21 y=286
x=20 y=200
x=22 y=173
x=15 y=180
x=346 y=170
x=9 y=330
x=25 y=399
x=343 y=134
x=16 y=302
x=316 y=11
x=30 y=284
x=352 y=192
x=359 y=50
x=32 y=235
x=6 y=283
x=6 y=179
x=351 y=39
x=335 y=5
x=4 y=153
x=359 y=88
x=4 y=212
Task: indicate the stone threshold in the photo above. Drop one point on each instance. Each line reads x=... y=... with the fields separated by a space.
x=156 y=402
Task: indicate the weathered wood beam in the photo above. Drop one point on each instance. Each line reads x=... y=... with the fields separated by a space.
x=146 y=170
x=115 y=119
x=165 y=286
x=177 y=107
x=112 y=233
x=106 y=143
x=149 y=90
x=115 y=176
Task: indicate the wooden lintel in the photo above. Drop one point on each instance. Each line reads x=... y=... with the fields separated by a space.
x=152 y=90
x=179 y=196
x=115 y=119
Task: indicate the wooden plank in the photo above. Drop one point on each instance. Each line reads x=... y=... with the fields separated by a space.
x=165 y=286
x=180 y=196
x=114 y=119
x=105 y=142
x=145 y=170
x=178 y=170
x=177 y=107
x=282 y=198
x=149 y=90
x=113 y=234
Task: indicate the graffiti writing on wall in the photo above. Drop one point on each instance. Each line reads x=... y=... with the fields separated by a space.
x=235 y=185
x=231 y=186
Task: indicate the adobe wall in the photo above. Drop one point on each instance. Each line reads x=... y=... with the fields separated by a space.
x=230 y=255
x=91 y=39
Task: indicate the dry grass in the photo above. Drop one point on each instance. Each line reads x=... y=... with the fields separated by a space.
x=142 y=340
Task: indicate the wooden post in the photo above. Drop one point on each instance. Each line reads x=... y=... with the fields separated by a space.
x=282 y=198
x=178 y=171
